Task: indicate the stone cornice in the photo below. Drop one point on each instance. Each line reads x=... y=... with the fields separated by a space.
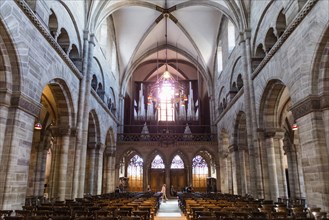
x=306 y=106
x=34 y=19
x=100 y=101
x=298 y=19
x=25 y=103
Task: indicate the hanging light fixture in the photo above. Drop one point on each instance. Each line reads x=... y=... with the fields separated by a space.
x=166 y=83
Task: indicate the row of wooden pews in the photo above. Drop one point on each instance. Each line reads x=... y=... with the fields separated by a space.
x=113 y=206
x=217 y=206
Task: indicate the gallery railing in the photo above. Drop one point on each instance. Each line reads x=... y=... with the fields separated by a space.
x=166 y=137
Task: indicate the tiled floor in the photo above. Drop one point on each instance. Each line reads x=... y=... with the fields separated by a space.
x=169 y=210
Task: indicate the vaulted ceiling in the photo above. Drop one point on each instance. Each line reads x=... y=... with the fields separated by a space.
x=182 y=32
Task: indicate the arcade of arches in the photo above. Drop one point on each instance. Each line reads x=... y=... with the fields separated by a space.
x=243 y=108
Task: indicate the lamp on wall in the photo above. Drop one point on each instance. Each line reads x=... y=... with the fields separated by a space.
x=294 y=127
x=38 y=126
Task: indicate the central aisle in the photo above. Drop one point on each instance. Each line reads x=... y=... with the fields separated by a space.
x=169 y=210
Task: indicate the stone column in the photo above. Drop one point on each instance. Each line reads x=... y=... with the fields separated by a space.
x=85 y=117
x=223 y=170
x=263 y=164
x=63 y=143
x=15 y=151
x=275 y=165
x=233 y=149
x=242 y=170
x=315 y=158
x=145 y=176
x=4 y=104
x=256 y=187
x=99 y=169
x=80 y=116
x=90 y=171
x=167 y=174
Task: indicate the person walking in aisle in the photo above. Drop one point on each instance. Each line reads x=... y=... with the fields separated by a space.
x=164 y=195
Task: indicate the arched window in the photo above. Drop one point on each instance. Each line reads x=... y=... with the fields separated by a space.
x=157 y=163
x=199 y=173
x=53 y=24
x=231 y=35
x=135 y=174
x=239 y=82
x=63 y=40
x=94 y=82
x=177 y=163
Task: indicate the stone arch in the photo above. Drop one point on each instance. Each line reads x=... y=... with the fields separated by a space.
x=94 y=82
x=241 y=155
x=320 y=73
x=269 y=104
x=74 y=53
x=93 y=129
x=207 y=155
x=225 y=185
x=233 y=83
x=53 y=24
x=239 y=82
x=258 y=56
x=110 y=138
x=64 y=102
x=56 y=116
x=270 y=39
x=186 y=161
x=151 y=157
x=9 y=65
x=63 y=40
x=280 y=23
x=93 y=157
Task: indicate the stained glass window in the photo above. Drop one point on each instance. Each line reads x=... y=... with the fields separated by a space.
x=177 y=163
x=135 y=174
x=157 y=163
x=199 y=173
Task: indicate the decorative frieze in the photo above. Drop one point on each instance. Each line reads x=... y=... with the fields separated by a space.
x=306 y=106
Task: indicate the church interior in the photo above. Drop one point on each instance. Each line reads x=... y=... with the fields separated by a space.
x=214 y=98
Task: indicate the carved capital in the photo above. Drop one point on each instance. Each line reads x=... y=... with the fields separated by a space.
x=26 y=104
x=306 y=106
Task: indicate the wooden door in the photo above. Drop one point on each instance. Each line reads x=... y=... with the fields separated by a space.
x=157 y=178
x=178 y=179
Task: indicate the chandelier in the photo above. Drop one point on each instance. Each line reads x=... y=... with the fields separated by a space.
x=166 y=85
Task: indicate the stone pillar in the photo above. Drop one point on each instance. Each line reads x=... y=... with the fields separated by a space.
x=99 y=169
x=294 y=184
x=233 y=149
x=60 y=170
x=85 y=117
x=315 y=159
x=4 y=103
x=80 y=116
x=256 y=187
x=167 y=174
x=243 y=175
x=223 y=170
x=16 y=150
x=90 y=168
x=275 y=165
x=145 y=176
x=263 y=164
